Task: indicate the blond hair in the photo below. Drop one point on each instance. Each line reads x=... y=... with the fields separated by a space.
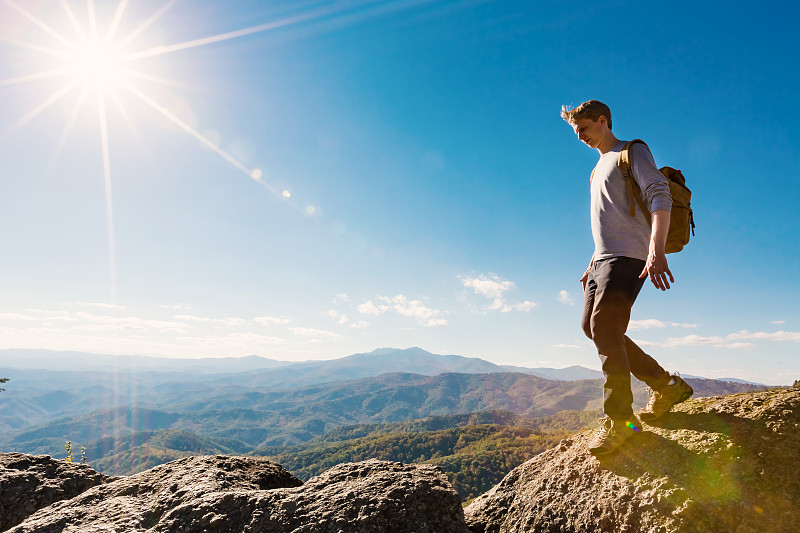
x=593 y=109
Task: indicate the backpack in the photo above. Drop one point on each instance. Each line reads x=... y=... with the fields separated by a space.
x=681 y=220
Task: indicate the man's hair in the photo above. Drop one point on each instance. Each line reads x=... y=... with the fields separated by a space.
x=592 y=109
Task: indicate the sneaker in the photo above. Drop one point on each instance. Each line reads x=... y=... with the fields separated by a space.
x=661 y=401
x=611 y=435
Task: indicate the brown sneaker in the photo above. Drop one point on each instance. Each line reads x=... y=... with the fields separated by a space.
x=611 y=435
x=661 y=401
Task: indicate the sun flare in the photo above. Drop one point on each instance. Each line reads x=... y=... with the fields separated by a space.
x=96 y=63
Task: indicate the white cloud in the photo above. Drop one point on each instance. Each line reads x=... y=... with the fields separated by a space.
x=340 y=317
x=269 y=320
x=359 y=325
x=343 y=297
x=491 y=286
x=17 y=316
x=698 y=340
x=310 y=332
x=655 y=323
x=369 y=308
x=248 y=341
x=778 y=322
x=426 y=316
x=103 y=305
x=565 y=346
x=219 y=321
x=522 y=306
x=777 y=336
x=565 y=298
x=176 y=306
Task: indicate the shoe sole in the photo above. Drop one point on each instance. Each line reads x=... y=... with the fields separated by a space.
x=685 y=396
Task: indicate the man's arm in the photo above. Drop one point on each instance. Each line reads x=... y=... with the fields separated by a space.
x=656 y=266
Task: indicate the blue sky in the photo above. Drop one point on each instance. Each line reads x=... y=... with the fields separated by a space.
x=342 y=176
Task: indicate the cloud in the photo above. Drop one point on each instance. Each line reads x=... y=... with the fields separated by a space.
x=341 y=318
x=565 y=346
x=491 y=286
x=269 y=320
x=17 y=316
x=343 y=297
x=218 y=321
x=316 y=333
x=565 y=298
x=369 y=308
x=777 y=336
x=778 y=322
x=426 y=316
x=176 y=306
x=102 y=305
x=698 y=340
x=359 y=325
x=403 y=306
x=655 y=323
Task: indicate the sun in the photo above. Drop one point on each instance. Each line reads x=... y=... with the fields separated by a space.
x=96 y=63
x=99 y=54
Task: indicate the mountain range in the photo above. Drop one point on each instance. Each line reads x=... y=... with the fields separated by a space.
x=149 y=410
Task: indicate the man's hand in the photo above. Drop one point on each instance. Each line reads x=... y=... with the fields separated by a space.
x=585 y=276
x=657 y=268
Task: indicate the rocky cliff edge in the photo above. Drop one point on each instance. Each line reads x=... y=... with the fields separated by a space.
x=720 y=464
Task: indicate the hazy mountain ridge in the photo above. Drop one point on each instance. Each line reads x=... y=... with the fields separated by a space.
x=245 y=421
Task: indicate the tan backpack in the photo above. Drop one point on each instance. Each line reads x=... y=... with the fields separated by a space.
x=681 y=221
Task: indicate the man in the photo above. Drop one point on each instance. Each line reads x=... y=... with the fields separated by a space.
x=627 y=250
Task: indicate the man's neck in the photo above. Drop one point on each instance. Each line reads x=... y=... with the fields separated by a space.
x=608 y=142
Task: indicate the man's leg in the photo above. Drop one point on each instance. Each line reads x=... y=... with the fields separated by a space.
x=644 y=367
x=616 y=285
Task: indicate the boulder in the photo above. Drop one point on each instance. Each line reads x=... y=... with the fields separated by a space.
x=243 y=494
x=31 y=482
x=725 y=463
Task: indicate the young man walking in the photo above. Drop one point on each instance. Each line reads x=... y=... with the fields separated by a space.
x=627 y=250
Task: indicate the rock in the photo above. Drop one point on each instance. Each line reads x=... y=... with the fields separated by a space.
x=138 y=502
x=31 y=482
x=368 y=497
x=724 y=463
x=243 y=494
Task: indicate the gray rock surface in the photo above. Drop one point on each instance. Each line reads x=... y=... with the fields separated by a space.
x=137 y=503
x=242 y=494
x=720 y=464
x=31 y=482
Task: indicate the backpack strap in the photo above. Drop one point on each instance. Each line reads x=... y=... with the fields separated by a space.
x=625 y=164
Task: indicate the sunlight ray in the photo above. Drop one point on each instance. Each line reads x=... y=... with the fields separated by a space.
x=148 y=77
x=146 y=24
x=73 y=20
x=33 y=77
x=38 y=109
x=36 y=47
x=124 y=114
x=188 y=129
x=92 y=19
x=101 y=106
x=296 y=19
x=73 y=117
x=112 y=28
x=38 y=22
x=160 y=50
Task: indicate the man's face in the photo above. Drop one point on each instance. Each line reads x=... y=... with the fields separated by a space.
x=591 y=132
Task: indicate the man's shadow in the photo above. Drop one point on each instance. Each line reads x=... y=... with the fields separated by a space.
x=704 y=464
